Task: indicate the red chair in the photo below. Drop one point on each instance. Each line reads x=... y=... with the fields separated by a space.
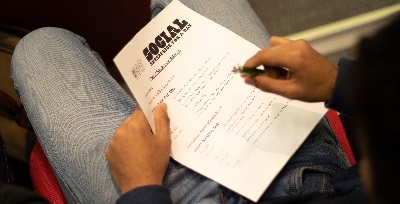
x=46 y=184
x=43 y=179
x=337 y=126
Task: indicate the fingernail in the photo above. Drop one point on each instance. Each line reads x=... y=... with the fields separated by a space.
x=164 y=107
x=250 y=81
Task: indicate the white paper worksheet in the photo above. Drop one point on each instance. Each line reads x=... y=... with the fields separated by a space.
x=221 y=128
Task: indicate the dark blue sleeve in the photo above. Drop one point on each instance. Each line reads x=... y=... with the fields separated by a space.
x=146 y=195
x=340 y=93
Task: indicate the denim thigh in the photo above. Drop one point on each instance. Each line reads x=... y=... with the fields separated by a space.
x=312 y=166
x=309 y=170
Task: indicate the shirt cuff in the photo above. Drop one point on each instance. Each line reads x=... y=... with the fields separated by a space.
x=340 y=95
x=146 y=195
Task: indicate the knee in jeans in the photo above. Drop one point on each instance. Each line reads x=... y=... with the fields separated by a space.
x=42 y=40
x=34 y=42
x=43 y=35
x=39 y=46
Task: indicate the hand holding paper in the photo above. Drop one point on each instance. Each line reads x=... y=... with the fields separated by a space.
x=221 y=128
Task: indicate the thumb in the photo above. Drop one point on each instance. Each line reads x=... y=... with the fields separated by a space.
x=162 y=121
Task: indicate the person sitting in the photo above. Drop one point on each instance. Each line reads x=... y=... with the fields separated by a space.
x=101 y=152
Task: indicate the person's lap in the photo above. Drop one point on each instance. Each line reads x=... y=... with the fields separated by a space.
x=75 y=106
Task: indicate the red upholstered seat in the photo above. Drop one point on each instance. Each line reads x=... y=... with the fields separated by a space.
x=340 y=132
x=43 y=179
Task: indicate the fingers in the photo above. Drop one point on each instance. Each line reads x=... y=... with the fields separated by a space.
x=136 y=156
x=267 y=84
x=131 y=117
x=136 y=117
x=160 y=116
x=275 y=40
x=281 y=54
x=162 y=122
x=259 y=58
x=294 y=70
x=273 y=57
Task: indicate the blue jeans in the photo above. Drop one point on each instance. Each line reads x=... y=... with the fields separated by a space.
x=75 y=105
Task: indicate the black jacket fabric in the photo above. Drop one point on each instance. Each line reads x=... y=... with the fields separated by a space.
x=10 y=194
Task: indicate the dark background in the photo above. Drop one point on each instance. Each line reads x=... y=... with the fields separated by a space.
x=107 y=25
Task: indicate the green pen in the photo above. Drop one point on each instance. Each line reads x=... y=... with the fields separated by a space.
x=249 y=71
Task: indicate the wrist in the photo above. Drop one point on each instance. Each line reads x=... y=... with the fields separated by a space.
x=130 y=185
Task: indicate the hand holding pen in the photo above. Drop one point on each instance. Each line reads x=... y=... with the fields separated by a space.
x=292 y=69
